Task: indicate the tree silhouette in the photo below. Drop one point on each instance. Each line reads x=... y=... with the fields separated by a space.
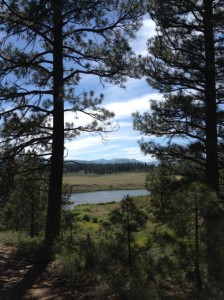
x=185 y=63
x=46 y=47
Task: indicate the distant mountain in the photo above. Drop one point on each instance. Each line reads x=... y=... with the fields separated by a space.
x=113 y=161
x=154 y=162
x=116 y=161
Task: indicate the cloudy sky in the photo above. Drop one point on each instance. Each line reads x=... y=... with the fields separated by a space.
x=135 y=97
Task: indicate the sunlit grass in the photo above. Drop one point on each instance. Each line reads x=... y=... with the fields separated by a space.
x=99 y=210
x=23 y=242
x=141 y=239
x=93 y=182
x=90 y=226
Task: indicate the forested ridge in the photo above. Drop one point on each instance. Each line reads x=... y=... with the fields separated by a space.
x=107 y=168
x=167 y=245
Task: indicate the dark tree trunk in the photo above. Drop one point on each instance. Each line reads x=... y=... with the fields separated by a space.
x=56 y=171
x=197 y=254
x=32 y=212
x=129 y=234
x=215 y=247
x=212 y=171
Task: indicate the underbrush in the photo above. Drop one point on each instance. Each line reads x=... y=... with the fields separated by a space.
x=96 y=253
x=25 y=244
x=103 y=265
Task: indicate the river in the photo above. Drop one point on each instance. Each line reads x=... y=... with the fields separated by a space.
x=104 y=196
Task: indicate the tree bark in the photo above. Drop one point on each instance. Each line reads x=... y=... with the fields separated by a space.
x=56 y=170
x=32 y=211
x=214 y=220
x=129 y=234
x=197 y=254
x=215 y=250
x=212 y=169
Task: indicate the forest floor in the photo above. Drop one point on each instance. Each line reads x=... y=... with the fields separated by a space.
x=26 y=278
x=29 y=279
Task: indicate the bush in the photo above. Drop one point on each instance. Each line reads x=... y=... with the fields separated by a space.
x=86 y=218
x=134 y=283
x=24 y=243
x=66 y=266
x=94 y=219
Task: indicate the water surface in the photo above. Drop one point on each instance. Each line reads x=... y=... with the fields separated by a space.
x=104 y=196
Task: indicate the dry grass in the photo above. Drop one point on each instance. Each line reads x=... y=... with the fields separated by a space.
x=102 y=210
x=93 y=182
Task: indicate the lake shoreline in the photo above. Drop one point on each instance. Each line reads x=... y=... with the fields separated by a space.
x=98 y=188
x=97 y=197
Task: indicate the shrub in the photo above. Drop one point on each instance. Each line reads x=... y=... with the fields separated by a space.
x=24 y=243
x=66 y=266
x=86 y=217
x=94 y=219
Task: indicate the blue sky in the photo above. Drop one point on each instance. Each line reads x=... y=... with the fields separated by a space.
x=122 y=143
x=123 y=102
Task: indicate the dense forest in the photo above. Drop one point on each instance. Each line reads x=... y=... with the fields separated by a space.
x=107 y=168
x=168 y=245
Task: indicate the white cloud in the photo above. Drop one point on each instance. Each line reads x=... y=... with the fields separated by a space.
x=126 y=108
x=120 y=144
x=139 y=45
x=79 y=119
x=122 y=109
x=91 y=148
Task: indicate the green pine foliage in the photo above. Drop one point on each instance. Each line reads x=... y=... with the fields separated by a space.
x=25 y=208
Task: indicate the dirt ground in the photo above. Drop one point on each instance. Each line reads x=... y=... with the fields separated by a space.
x=26 y=278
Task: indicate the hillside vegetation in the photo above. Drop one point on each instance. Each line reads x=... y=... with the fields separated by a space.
x=110 y=251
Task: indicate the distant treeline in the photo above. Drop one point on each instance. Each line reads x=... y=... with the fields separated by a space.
x=74 y=167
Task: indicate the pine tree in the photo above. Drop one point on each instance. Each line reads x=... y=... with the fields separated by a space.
x=46 y=47
x=25 y=209
x=185 y=64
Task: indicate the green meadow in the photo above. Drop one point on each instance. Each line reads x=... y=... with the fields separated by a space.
x=93 y=219
x=82 y=182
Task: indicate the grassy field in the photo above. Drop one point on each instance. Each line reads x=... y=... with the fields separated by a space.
x=92 y=182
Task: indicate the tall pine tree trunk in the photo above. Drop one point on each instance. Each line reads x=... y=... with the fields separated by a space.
x=215 y=247
x=197 y=254
x=56 y=171
x=212 y=171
